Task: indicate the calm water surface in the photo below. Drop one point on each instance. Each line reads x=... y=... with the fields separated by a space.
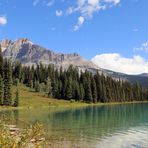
x=114 y=126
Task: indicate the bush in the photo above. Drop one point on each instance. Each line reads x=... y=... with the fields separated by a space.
x=72 y=101
x=17 y=138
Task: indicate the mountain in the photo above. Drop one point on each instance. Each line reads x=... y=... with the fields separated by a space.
x=141 y=79
x=29 y=53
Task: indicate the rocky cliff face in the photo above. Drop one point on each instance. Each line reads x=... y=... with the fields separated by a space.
x=28 y=53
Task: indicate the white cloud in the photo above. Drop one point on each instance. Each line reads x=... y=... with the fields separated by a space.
x=115 y=62
x=84 y=8
x=35 y=2
x=115 y=2
x=3 y=20
x=144 y=47
x=87 y=8
x=59 y=12
x=50 y=2
x=46 y=2
x=79 y=23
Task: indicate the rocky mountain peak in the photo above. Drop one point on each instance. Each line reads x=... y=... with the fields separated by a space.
x=5 y=44
x=28 y=53
x=23 y=41
x=15 y=45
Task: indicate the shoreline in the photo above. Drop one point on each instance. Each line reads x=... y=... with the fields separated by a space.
x=75 y=105
x=68 y=104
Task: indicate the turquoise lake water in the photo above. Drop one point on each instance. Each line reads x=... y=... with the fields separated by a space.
x=114 y=126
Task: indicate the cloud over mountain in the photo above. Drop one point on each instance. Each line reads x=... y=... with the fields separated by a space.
x=118 y=63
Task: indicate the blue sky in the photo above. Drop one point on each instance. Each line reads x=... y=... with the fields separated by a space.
x=88 y=27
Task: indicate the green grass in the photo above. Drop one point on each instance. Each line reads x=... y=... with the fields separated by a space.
x=30 y=98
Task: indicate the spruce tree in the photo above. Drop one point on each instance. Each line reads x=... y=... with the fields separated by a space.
x=88 y=92
x=17 y=71
x=71 y=84
x=7 y=83
x=37 y=86
x=69 y=89
x=1 y=77
x=104 y=95
x=94 y=90
x=1 y=90
x=82 y=92
x=76 y=90
x=55 y=88
x=49 y=87
x=1 y=62
x=108 y=94
x=16 y=101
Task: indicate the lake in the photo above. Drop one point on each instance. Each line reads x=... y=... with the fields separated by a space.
x=114 y=126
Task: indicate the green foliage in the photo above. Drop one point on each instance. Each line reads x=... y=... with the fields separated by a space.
x=82 y=92
x=32 y=136
x=6 y=139
x=1 y=90
x=7 y=100
x=94 y=90
x=80 y=86
x=1 y=62
x=16 y=101
x=48 y=87
x=37 y=86
x=69 y=89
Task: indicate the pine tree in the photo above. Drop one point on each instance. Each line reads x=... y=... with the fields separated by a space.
x=82 y=92
x=16 y=101
x=17 y=70
x=1 y=90
x=88 y=92
x=7 y=83
x=71 y=84
x=63 y=84
x=49 y=87
x=69 y=89
x=104 y=95
x=37 y=86
x=94 y=90
x=108 y=94
x=1 y=62
x=76 y=91
x=55 y=88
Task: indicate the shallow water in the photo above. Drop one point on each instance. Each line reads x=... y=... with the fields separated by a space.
x=114 y=126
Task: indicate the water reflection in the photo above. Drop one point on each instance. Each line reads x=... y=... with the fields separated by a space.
x=99 y=122
x=119 y=125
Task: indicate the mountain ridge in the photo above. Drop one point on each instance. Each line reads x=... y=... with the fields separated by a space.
x=28 y=54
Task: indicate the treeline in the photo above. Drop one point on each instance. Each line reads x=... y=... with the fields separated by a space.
x=6 y=83
x=72 y=84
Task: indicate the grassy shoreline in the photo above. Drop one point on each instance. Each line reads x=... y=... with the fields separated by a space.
x=68 y=104
x=30 y=99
